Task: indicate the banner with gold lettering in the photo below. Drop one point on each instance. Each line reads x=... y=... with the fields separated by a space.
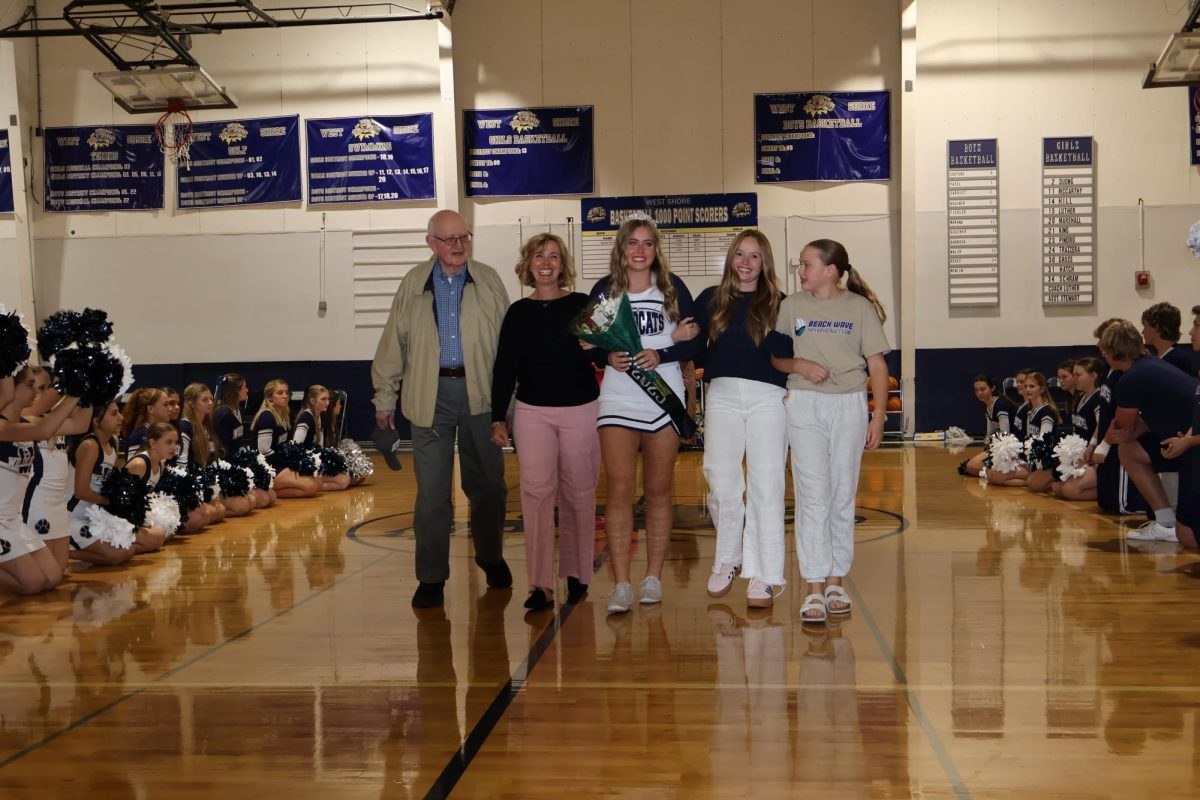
x=241 y=162
x=822 y=136
x=370 y=158
x=528 y=151
x=102 y=168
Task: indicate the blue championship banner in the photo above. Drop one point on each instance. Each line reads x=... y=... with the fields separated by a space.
x=821 y=136
x=113 y=168
x=6 y=190
x=241 y=162
x=363 y=159
x=530 y=151
x=1194 y=123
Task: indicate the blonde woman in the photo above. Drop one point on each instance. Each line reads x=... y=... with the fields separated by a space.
x=198 y=442
x=629 y=421
x=271 y=428
x=310 y=431
x=554 y=420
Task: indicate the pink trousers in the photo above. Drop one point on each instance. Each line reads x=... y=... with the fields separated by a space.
x=558 y=452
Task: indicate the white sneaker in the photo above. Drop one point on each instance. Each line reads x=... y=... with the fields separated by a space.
x=651 y=590
x=1153 y=532
x=762 y=595
x=621 y=598
x=721 y=581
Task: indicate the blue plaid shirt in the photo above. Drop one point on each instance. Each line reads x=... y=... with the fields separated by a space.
x=447 y=298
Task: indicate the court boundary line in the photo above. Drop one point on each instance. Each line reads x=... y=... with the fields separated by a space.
x=132 y=693
x=474 y=741
x=957 y=784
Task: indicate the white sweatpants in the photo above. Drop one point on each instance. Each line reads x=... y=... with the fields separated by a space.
x=745 y=419
x=827 y=433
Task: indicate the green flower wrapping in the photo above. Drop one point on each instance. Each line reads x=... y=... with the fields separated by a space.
x=608 y=322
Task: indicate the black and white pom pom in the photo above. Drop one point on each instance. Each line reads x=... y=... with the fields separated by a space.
x=65 y=328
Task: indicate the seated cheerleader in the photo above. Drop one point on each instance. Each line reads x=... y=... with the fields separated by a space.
x=1069 y=397
x=1043 y=419
x=162 y=443
x=27 y=566
x=1085 y=423
x=174 y=404
x=45 y=509
x=270 y=429
x=144 y=407
x=997 y=415
x=94 y=457
x=1020 y=417
x=198 y=445
x=357 y=465
x=310 y=432
x=227 y=418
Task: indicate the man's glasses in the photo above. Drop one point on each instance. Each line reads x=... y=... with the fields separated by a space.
x=454 y=240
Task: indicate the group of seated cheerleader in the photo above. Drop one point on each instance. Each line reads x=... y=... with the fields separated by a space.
x=103 y=483
x=1118 y=424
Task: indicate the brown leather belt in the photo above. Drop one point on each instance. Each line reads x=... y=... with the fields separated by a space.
x=452 y=372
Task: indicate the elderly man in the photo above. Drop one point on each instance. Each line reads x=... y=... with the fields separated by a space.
x=438 y=346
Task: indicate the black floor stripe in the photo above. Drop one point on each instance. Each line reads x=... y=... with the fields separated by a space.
x=475 y=740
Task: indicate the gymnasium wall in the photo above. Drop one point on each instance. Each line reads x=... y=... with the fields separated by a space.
x=672 y=82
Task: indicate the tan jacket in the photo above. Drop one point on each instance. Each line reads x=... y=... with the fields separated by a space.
x=409 y=351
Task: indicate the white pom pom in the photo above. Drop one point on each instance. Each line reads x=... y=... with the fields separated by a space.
x=1006 y=453
x=250 y=474
x=162 y=512
x=109 y=529
x=118 y=353
x=1069 y=452
x=1193 y=239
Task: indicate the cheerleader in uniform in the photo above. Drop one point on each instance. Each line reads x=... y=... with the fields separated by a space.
x=271 y=428
x=998 y=416
x=1085 y=423
x=26 y=565
x=1043 y=419
x=161 y=443
x=94 y=456
x=629 y=421
x=1020 y=429
x=349 y=448
x=45 y=508
x=227 y=418
x=311 y=433
x=144 y=408
x=198 y=444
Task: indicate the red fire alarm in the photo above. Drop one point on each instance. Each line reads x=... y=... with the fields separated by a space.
x=1141 y=279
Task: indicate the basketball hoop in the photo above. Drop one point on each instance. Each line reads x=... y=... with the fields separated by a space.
x=173 y=132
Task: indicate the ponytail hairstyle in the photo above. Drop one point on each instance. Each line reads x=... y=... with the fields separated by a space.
x=660 y=270
x=834 y=254
x=134 y=412
x=989 y=380
x=764 y=303
x=202 y=430
x=1094 y=366
x=284 y=418
x=159 y=430
x=229 y=391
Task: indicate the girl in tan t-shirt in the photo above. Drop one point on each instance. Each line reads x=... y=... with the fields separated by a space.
x=838 y=347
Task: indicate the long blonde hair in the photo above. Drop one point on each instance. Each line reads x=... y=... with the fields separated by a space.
x=202 y=431
x=764 y=303
x=834 y=254
x=660 y=269
x=284 y=417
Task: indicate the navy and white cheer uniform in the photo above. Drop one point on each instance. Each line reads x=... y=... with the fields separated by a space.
x=81 y=537
x=16 y=467
x=45 y=509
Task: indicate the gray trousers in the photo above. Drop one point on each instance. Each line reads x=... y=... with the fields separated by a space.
x=482 y=465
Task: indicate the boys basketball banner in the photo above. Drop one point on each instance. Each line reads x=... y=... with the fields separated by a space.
x=110 y=168
x=6 y=190
x=364 y=159
x=241 y=162
x=821 y=136
x=529 y=151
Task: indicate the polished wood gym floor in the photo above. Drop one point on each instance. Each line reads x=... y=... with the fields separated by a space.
x=1001 y=645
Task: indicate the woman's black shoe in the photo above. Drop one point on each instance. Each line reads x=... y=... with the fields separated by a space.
x=538 y=601
x=576 y=590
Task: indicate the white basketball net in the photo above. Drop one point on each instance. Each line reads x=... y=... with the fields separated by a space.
x=174 y=134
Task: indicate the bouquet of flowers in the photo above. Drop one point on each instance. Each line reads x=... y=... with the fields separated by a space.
x=608 y=322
